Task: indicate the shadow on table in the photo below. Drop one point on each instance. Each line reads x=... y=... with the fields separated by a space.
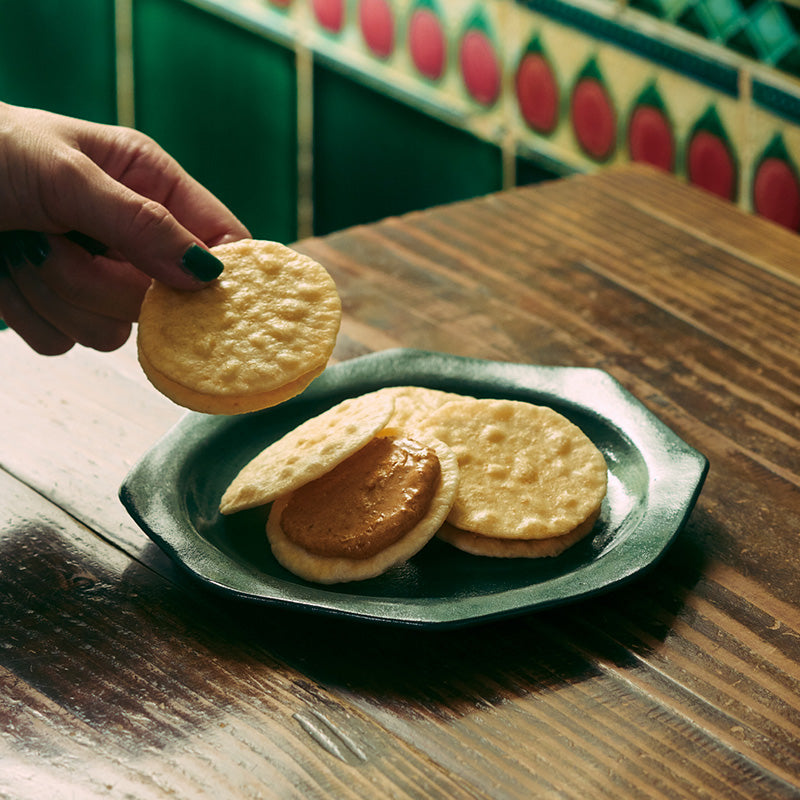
x=110 y=639
x=540 y=649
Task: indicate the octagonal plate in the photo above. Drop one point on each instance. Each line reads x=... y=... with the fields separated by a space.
x=173 y=493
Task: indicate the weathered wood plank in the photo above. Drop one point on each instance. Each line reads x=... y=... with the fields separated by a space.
x=116 y=682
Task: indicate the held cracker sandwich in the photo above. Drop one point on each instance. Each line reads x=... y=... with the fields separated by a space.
x=531 y=482
x=253 y=338
x=350 y=497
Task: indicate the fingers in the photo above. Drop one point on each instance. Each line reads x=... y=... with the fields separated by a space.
x=101 y=285
x=61 y=302
x=115 y=185
x=154 y=204
x=140 y=229
x=17 y=313
x=105 y=186
x=151 y=172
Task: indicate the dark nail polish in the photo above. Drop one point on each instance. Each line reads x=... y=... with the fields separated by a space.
x=36 y=247
x=91 y=246
x=10 y=248
x=201 y=263
x=17 y=247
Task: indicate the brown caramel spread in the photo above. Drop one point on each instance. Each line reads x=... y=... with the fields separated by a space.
x=367 y=502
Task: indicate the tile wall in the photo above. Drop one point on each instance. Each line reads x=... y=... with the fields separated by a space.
x=707 y=89
x=310 y=115
x=59 y=56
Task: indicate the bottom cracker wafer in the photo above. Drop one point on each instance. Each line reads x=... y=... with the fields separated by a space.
x=479 y=545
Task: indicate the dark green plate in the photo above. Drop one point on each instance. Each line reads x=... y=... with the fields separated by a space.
x=654 y=479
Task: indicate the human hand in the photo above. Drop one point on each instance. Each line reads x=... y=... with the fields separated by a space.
x=89 y=214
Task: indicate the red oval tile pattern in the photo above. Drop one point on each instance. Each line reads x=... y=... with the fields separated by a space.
x=480 y=67
x=776 y=194
x=537 y=93
x=329 y=14
x=650 y=138
x=377 y=26
x=710 y=164
x=593 y=118
x=426 y=42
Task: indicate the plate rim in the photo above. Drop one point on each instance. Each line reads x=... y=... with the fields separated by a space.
x=642 y=428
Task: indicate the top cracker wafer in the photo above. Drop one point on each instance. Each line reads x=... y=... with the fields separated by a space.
x=307 y=451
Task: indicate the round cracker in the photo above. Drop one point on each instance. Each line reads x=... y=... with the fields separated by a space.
x=254 y=337
x=323 y=569
x=307 y=451
x=478 y=545
x=526 y=471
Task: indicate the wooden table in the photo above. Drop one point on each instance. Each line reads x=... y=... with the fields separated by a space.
x=123 y=678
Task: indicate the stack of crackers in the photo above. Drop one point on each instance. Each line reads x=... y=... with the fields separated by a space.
x=367 y=484
x=256 y=336
x=516 y=479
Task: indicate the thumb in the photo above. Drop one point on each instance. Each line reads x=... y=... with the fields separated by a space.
x=140 y=229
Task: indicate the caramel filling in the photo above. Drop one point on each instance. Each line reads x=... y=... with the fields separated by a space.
x=366 y=503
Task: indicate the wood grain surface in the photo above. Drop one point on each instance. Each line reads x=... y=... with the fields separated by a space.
x=121 y=677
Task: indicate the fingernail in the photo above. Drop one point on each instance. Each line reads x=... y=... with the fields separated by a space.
x=17 y=247
x=91 y=246
x=13 y=254
x=36 y=247
x=201 y=263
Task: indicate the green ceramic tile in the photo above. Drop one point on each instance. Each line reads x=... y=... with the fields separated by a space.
x=375 y=157
x=721 y=18
x=537 y=170
x=223 y=101
x=59 y=56
x=790 y=62
x=770 y=31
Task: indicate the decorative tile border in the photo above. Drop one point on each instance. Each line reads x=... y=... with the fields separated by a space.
x=616 y=106
x=699 y=66
x=779 y=101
